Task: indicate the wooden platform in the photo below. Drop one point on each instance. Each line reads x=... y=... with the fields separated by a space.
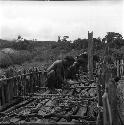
x=69 y=110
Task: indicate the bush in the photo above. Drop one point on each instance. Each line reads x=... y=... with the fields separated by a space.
x=5 y=60
x=38 y=59
x=19 y=57
x=22 y=45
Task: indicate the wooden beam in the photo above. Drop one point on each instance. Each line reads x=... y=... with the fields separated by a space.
x=43 y=123
x=90 y=55
x=118 y=71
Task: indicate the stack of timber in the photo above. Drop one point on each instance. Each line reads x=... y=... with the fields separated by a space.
x=69 y=106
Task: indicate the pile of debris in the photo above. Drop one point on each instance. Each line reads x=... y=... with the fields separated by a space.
x=75 y=105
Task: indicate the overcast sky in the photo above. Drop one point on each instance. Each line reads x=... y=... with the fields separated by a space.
x=47 y=20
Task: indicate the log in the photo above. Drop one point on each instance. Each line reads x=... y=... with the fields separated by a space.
x=43 y=123
x=3 y=95
x=99 y=94
x=40 y=105
x=6 y=105
x=90 y=55
x=112 y=95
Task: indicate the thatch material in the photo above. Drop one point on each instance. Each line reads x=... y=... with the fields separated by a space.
x=8 y=50
x=17 y=57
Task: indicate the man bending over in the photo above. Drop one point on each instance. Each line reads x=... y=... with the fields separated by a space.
x=57 y=71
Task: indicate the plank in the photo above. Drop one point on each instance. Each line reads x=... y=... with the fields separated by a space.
x=90 y=55
x=43 y=123
x=3 y=95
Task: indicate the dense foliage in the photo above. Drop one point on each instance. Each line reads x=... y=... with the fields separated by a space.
x=48 y=51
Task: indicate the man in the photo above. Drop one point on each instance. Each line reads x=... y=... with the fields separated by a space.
x=73 y=70
x=57 y=71
x=84 y=56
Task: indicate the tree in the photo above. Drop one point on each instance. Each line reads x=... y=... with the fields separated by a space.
x=98 y=44
x=80 y=44
x=115 y=40
x=19 y=37
x=59 y=40
x=65 y=38
x=23 y=45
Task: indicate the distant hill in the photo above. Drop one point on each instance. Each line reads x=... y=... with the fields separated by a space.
x=9 y=56
x=5 y=60
x=4 y=43
x=46 y=52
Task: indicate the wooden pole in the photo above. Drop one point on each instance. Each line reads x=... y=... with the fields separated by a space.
x=99 y=82
x=118 y=68
x=121 y=67
x=90 y=55
x=109 y=97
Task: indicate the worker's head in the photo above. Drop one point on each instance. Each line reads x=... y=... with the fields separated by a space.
x=81 y=61
x=68 y=60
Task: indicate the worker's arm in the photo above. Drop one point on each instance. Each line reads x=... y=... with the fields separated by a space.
x=51 y=67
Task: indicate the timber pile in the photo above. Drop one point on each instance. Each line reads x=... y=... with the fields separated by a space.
x=76 y=105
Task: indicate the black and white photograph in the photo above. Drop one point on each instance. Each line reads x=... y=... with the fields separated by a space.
x=61 y=62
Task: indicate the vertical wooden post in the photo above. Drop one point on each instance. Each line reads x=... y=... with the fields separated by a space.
x=18 y=78
x=118 y=68
x=0 y=95
x=99 y=82
x=16 y=86
x=3 y=94
x=110 y=98
x=121 y=72
x=12 y=87
x=90 y=55
x=39 y=79
x=122 y=67
x=24 y=84
x=7 y=92
x=112 y=94
x=107 y=118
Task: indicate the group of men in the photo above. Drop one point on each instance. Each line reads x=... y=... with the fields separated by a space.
x=61 y=70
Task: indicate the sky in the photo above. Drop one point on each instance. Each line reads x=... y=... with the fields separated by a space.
x=47 y=20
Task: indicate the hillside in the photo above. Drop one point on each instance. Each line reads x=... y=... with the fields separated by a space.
x=41 y=54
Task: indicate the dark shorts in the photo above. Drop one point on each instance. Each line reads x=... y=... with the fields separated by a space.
x=52 y=81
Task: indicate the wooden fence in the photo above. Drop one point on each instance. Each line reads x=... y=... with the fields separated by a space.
x=29 y=82
x=109 y=98
x=20 y=85
x=120 y=67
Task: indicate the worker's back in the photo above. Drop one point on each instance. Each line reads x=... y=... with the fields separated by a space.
x=55 y=74
x=57 y=66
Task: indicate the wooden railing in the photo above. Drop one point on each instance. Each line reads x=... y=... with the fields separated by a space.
x=120 y=67
x=110 y=100
x=20 y=85
x=29 y=82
